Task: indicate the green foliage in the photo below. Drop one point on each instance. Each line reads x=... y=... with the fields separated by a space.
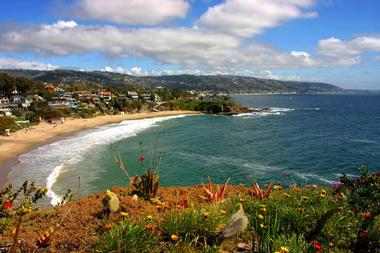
x=7 y=123
x=363 y=193
x=128 y=237
x=146 y=186
x=198 y=226
x=293 y=242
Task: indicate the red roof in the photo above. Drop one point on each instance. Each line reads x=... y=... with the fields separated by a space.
x=104 y=92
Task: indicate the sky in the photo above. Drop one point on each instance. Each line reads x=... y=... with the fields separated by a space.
x=333 y=41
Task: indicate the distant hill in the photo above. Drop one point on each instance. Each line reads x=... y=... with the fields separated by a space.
x=208 y=83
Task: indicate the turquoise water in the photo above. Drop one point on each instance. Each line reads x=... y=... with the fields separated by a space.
x=311 y=138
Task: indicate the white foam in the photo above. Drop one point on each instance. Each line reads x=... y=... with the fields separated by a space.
x=265 y=112
x=46 y=163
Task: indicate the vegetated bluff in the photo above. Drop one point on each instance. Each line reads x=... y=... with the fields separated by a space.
x=208 y=83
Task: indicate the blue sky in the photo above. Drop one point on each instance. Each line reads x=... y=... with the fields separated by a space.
x=334 y=41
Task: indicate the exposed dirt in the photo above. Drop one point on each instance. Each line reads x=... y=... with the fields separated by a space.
x=85 y=220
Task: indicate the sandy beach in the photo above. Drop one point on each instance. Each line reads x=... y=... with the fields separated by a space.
x=23 y=141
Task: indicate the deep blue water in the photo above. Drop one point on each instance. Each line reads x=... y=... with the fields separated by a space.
x=313 y=138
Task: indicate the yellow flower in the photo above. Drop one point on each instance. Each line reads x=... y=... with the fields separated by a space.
x=277 y=187
x=277 y=252
x=222 y=212
x=284 y=250
x=124 y=214
x=314 y=186
x=206 y=214
x=322 y=195
x=263 y=208
x=287 y=195
x=340 y=208
x=262 y=226
x=323 y=191
x=304 y=198
x=260 y=217
x=174 y=237
x=149 y=217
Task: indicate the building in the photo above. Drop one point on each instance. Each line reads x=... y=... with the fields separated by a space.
x=105 y=95
x=146 y=97
x=133 y=95
x=59 y=102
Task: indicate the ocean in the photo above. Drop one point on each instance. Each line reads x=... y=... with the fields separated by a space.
x=302 y=138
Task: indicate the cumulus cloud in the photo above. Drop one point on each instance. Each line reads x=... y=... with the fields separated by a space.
x=250 y=17
x=189 y=48
x=132 y=71
x=10 y=63
x=147 y=12
x=335 y=47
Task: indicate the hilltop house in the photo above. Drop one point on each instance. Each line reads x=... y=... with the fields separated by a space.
x=146 y=97
x=105 y=95
x=63 y=102
x=133 y=95
x=20 y=101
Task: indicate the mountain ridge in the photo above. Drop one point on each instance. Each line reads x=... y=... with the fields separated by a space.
x=207 y=83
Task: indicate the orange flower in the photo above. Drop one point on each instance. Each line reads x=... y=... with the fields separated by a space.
x=174 y=237
x=8 y=205
x=182 y=192
x=109 y=226
x=263 y=208
x=367 y=216
x=149 y=228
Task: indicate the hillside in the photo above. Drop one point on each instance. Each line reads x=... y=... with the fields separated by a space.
x=208 y=83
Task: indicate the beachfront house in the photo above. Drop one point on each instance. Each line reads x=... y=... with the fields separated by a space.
x=133 y=95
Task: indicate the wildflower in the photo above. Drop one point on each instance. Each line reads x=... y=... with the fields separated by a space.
x=26 y=209
x=340 y=208
x=316 y=245
x=314 y=186
x=149 y=217
x=262 y=226
x=108 y=226
x=174 y=237
x=182 y=192
x=135 y=197
x=304 y=198
x=124 y=214
x=142 y=158
x=301 y=210
x=331 y=244
x=149 y=228
x=277 y=187
x=206 y=215
x=337 y=186
x=184 y=203
x=323 y=191
x=223 y=212
x=367 y=216
x=287 y=195
x=263 y=208
x=8 y=205
x=284 y=250
x=322 y=195
x=260 y=217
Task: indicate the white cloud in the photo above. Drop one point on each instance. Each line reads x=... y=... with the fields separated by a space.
x=267 y=74
x=136 y=70
x=10 y=63
x=186 y=47
x=147 y=12
x=250 y=17
x=334 y=47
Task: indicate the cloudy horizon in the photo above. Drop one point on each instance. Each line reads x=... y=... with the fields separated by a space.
x=329 y=41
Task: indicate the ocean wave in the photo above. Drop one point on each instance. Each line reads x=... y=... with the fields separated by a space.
x=45 y=164
x=308 y=176
x=309 y=109
x=261 y=112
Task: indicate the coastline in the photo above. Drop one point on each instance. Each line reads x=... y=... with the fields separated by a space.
x=21 y=141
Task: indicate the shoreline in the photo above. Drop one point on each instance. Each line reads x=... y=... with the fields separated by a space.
x=20 y=142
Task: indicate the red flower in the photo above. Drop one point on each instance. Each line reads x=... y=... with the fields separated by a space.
x=182 y=192
x=142 y=158
x=363 y=234
x=316 y=245
x=367 y=216
x=184 y=203
x=149 y=228
x=8 y=205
